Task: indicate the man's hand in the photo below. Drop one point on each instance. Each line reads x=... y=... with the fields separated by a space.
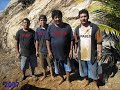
x=99 y=51
x=70 y=54
x=18 y=55
x=75 y=53
x=50 y=55
x=99 y=55
x=37 y=54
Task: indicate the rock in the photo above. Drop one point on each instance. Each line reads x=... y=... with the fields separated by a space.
x=14 y=13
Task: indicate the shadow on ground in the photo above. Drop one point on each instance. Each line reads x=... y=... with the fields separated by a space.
x=31 y=87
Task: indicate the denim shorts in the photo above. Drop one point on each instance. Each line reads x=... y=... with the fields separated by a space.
x=25 y=61
x=86 y=68
x=62 y=65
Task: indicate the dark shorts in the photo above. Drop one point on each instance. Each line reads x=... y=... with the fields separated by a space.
x=44 y=60
x=25 y=61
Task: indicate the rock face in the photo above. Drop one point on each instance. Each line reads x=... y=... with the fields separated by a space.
x=10 y=23
x=10 y=20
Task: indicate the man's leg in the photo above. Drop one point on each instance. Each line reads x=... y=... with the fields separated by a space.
x=59 y=68
x=51 y=73
x=68 y=76
x=24 y=76
x=61 y=79
x=24 y=66
x=85 y=82
x=44 y=74
x=43 y=64
x=93 y=73
x=67 y=68
x=33 y=70
x=33 y=64
x=83 y=70
x=96 y=84
x=49 y=61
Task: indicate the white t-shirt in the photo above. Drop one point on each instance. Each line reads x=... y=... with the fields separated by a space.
x=85 y=42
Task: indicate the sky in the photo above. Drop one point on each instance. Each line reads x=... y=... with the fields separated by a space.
x=3 y=4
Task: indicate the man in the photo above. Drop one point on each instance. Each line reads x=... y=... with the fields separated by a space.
x=41 y=45
x=88 y=38
x=26 y=47
x=59 y=40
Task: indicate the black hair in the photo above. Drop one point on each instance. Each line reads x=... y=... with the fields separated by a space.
x=83 y=11
x=43 y=17
x=26 y=19
x=56 y=13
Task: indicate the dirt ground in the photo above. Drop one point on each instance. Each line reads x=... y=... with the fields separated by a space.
x=10 y=72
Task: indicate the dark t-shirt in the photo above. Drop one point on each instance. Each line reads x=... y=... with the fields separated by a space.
x=26 y=41
x=60 y=40
x=40 y=37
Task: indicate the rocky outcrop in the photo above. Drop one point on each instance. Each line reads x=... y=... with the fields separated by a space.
x=10 y=22
x=10 y=19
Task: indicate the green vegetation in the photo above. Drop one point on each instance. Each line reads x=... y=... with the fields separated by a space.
x=117 y=46
x=111 y=9
x=108 y=29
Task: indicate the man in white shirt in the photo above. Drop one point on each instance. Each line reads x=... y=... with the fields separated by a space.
x=88 y=39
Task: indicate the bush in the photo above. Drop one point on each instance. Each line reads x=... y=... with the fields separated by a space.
x=26 y=3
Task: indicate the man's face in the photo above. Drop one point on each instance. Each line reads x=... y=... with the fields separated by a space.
x=57 y=19
x=83 y=18
x=25 y=24
x=42 y=22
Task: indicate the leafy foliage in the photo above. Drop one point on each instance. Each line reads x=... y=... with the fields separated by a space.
x=109 y=33
x=111 y=8
x=108 y=29
x=117 y=46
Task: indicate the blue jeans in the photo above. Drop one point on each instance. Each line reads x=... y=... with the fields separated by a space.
x=86 y=68
x=25 y=61
x=61 y=66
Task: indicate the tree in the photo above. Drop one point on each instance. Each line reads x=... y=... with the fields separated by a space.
x=111 y=8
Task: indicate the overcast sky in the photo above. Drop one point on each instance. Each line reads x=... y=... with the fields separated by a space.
x=3 y=4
